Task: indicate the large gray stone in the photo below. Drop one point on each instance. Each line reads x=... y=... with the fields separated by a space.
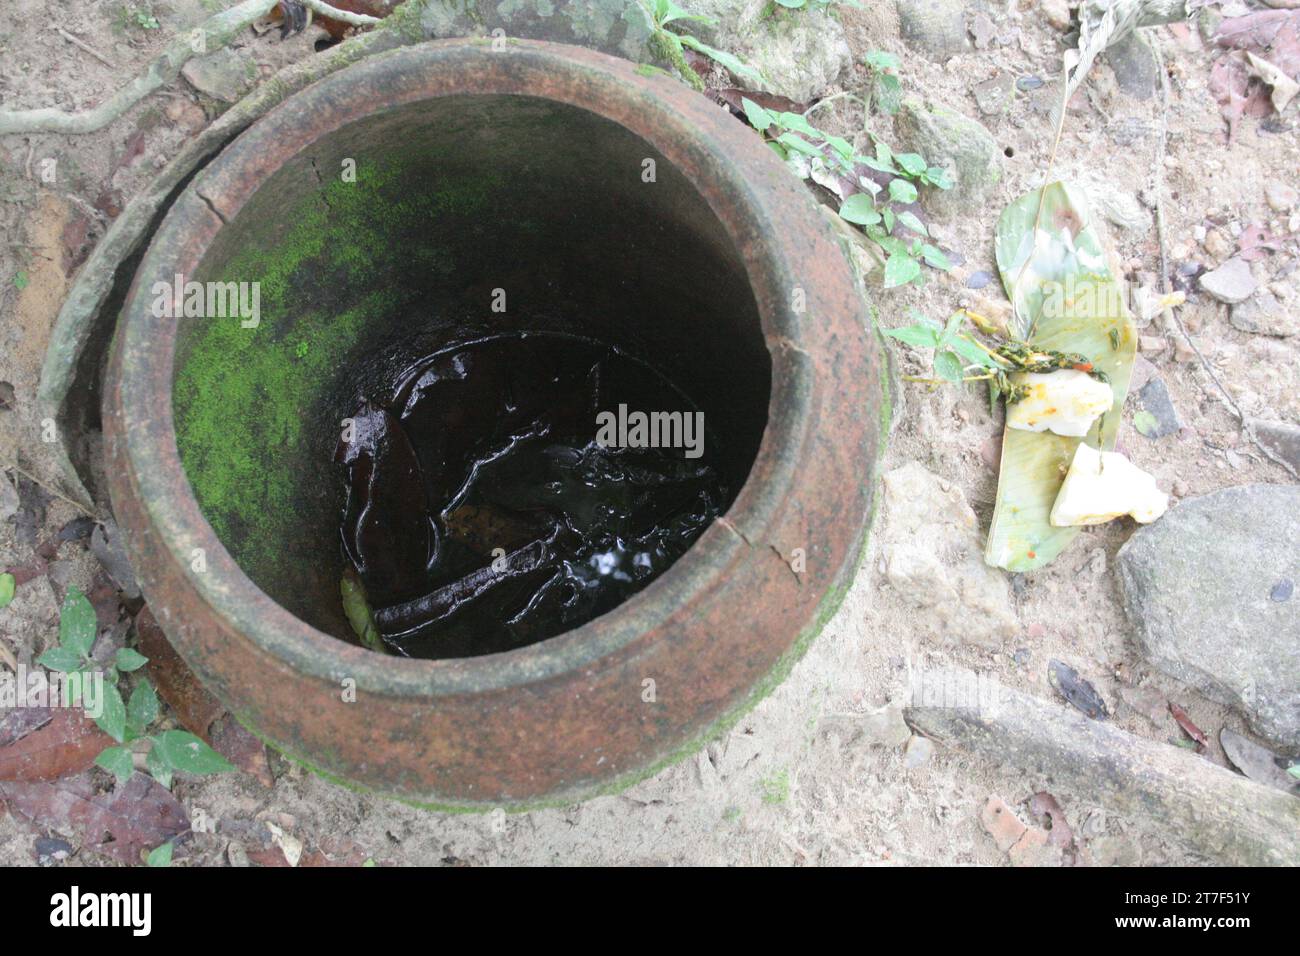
x=1263 y=314
x=936 y=28
x=959 y=144
x=800 y=53
x=1201 y=588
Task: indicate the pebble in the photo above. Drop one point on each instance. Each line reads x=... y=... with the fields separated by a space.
x=1232 y=282
x=1156 y=401
x=1027 y=83
x=1281 y=438
x=1280 y=196
x=1002 y=823
x=1057 y=13
x=978 y=280
x=1263 y=314
x=1152 y=343
x=1282 y=591
x=918 y=752
x=1218 y=245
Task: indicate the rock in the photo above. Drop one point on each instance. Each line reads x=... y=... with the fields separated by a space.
x=611 y=26
x=1283 y=591
x=934 y=560
x=1002 y=823
x=1281 y=438
x=1057 y=13
x=225 y=75
x=1148 y=702
x=1231 y=282
x=1196 y=587
x=995 y=96
x=918 y=752
x=936 y=28
x=1280 y=196
x=1263 y=314
x=1218 y=244
x=1163 y=416
x=885 y=727
x=983 y=31
x=1134 y=63
x=185 y=114
x=959 y=144
x=1121 y=207
x=800 y=53
x=1256 y=762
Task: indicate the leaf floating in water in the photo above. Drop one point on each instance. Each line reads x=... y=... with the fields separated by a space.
x=1079 y=692
x=1065 y=298
x=357 y=608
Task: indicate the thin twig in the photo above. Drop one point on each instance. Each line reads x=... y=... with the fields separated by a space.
x=52 y=490
x=1170 y=313
x=87 y=47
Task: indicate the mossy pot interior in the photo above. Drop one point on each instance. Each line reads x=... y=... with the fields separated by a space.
x=524 y=170
x=432 y=224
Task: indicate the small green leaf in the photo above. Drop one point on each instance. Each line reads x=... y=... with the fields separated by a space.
x=911 y=222
x=758 y=117
x=935 y=257
x=948 y=366
x=912 y=163
x=61 y=659
x=937 y=177
x=972 y=353
x=860 y=208
x=7 y=585
x=20 y=281
x=77 y=625
x=888 y=216
x=798 y=144
x=160 y=856
x=733 y=63
x=926 y=336
x=901 y=191
x=158 y=768
x=1146 y=423
x=130 y=660
x=142 y=709
x=798 y=123
x=881 y=60
x=889 y=93
x=113 y=720
x=181 y=750
x=900 y=269
x=793 y=4
x=118 y=762
x=1294 y=770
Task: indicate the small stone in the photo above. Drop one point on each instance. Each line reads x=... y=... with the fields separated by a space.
x=1143 y=371
x=983 y=30
x=1027 y=84
x=51 y=850
x=1281 y=438
x=978 y=280
x=1218 y=244
x=885 y=727
x=1280 y=196
x=1135 y=66
x=1002 y=823
x=1152 y=343
x=1057 y=13
x=1157 y=403
x=1282 y=591
x=1022 y=656
x=994 y=96
x=1197 y=588
x=918 y=752
x=1256 y=762
x=1146 y=701
x=225 y=75
x=1263 y=314
x=957 y=143
x=1232 y=282
x=936 y=28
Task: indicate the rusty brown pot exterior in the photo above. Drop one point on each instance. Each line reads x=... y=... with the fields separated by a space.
x=571 y=716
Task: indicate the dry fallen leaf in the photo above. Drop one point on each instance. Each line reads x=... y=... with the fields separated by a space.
x=124 y=823
x=65 y=741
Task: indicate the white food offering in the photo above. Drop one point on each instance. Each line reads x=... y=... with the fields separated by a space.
x=1103 y=485
x=1066 y=402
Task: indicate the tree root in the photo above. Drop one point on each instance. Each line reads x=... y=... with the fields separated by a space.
x=211 y=35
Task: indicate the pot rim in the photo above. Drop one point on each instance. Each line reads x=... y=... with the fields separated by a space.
x=745 y=185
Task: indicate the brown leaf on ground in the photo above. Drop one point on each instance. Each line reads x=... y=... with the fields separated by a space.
x=66 y=743
x=731 y=98
x=1256 y=242
x=1272 y=34
x=1189 y=728
x=197 y=709
x=123 y=824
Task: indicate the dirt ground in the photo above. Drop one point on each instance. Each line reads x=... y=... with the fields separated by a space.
x=789 y=785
